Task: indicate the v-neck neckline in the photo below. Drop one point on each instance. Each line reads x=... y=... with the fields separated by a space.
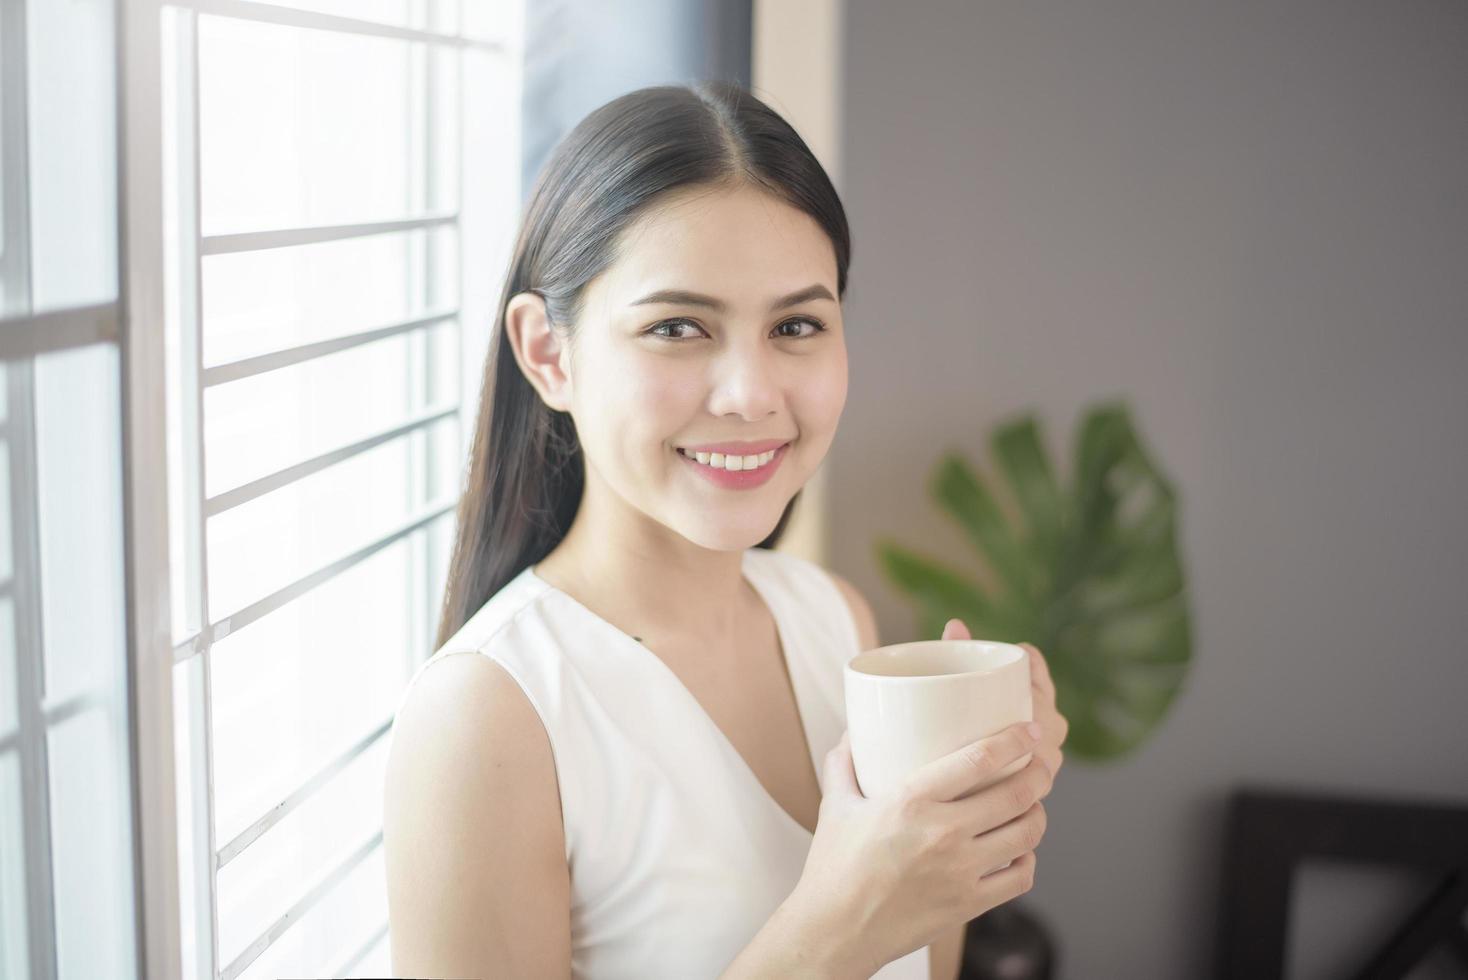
x=802 y=697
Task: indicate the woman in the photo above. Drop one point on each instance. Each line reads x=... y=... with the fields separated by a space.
x=624 y=782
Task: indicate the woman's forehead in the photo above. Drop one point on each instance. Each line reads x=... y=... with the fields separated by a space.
x=736 y=245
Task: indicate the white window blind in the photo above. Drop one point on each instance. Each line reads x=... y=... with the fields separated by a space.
x=340 y=183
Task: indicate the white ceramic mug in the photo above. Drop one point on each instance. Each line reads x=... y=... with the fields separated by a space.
x=911 y=703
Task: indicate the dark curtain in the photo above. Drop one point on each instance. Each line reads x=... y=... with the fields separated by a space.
x=582 y=53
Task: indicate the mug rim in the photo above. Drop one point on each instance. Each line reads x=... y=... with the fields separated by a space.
x=850 y=667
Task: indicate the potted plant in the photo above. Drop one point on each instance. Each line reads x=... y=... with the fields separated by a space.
x=1090 y=574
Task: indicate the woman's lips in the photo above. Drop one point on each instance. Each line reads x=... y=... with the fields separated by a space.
x=736 y=479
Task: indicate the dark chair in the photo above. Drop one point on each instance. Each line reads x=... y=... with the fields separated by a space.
x=1270 y=833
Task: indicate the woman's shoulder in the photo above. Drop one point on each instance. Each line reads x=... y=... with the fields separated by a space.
x=491 y=635
x=861 y=611
x=469 y=791
x=493 y=622
x=469 y=702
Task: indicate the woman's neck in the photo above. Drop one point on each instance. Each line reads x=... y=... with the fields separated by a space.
x=642 y=575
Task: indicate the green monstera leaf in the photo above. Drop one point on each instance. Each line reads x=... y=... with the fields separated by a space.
x=1090 y=575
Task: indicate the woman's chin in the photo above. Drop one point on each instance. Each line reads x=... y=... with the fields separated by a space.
x=730 y=536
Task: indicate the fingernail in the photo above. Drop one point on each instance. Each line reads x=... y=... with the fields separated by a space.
x=1034 y=729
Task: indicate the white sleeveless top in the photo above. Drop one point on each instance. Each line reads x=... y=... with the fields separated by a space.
x=677 y=853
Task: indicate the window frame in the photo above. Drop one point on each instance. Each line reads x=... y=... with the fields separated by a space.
x=153 y=652
x=26 y=335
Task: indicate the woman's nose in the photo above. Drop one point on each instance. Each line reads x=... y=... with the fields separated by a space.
x=746 y=382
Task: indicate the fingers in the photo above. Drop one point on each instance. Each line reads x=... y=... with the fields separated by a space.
x=838 y=774
x=1039 y=670
x=1052 y=758
x=999 y=887
x=1000 y=804
x=1056 y=726
x=990 y=850
x=973 y=766
x=956 y=629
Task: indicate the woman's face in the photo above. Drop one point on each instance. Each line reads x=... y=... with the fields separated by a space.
x=650 y=374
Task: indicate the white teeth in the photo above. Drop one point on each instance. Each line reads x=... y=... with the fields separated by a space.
x=732 y=463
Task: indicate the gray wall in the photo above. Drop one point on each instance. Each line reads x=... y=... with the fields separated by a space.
x=1251 y=219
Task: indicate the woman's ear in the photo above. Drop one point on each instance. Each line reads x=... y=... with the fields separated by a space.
x=540 y=351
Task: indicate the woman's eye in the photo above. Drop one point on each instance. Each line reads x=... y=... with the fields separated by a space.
x=656 y=330
x=661 y=329
x=802 y=319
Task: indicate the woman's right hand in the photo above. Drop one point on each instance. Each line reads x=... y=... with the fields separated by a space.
x=888 y=875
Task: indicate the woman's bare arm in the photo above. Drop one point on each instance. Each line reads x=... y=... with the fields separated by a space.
x=794 y=944
x=476 y=866
x=945 y=954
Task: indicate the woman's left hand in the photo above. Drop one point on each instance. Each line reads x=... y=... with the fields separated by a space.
x=1042 y=691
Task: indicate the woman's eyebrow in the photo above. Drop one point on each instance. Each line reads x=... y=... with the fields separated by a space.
x=682 y=297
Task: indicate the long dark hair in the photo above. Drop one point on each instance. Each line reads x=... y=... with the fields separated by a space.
x=526 y=472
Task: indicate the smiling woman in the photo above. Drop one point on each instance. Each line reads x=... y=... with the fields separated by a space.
x=624 y=781
x=734 y=369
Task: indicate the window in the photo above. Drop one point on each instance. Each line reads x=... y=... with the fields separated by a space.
x=242 y=327
x=66 y=859
x=316 y=233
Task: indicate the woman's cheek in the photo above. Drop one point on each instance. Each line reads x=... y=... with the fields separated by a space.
x=823 y=391
x=676 y=393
